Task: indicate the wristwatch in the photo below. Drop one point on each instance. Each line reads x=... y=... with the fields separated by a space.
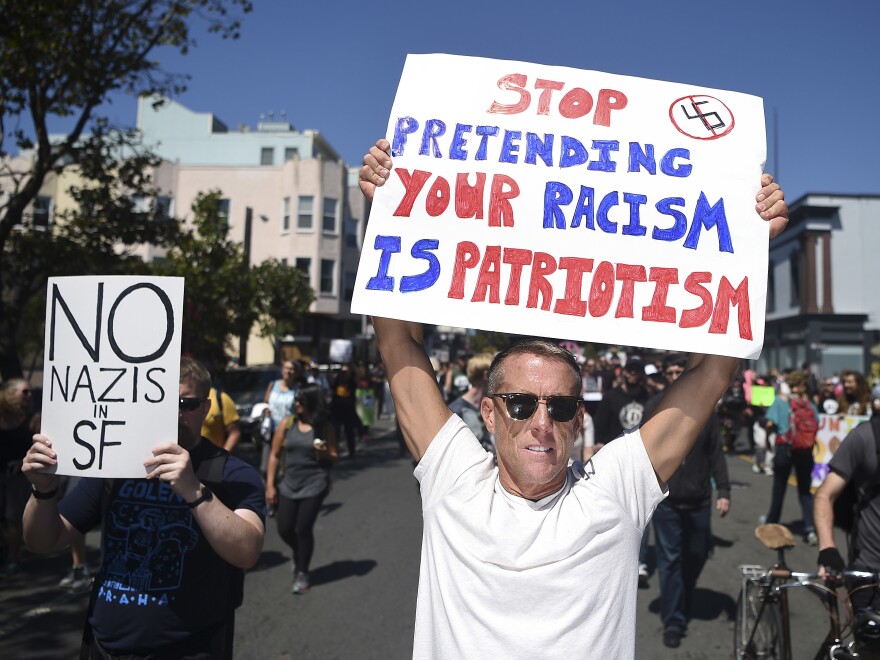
x=40 y=495
x=206 y=496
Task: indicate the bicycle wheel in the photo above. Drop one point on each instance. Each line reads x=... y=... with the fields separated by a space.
x=757 y=630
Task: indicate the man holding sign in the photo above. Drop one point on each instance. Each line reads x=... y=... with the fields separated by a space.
x=534 y=558
x=173 y=551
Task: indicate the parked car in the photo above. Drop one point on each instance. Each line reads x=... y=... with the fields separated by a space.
x=247 y=386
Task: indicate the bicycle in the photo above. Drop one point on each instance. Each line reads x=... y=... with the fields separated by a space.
x=761 y=628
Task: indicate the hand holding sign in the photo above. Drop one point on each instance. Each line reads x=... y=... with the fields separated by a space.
x=38 y=463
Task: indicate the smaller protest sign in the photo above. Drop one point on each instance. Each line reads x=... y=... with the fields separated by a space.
x=111 y=372
x=833 y=429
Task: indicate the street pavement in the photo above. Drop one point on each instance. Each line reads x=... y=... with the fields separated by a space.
x=365 y=578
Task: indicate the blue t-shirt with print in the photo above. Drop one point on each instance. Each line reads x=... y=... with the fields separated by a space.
x=160 y=581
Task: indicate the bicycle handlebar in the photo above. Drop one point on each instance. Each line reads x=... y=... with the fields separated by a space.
x=785 y=573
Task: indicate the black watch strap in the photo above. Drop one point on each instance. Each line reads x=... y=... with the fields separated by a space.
x=206 y=496
x=40 y=495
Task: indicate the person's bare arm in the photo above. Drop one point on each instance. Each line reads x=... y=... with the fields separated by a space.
x=274 y=460
x=233 y=436
x=268 y=392
x=823 y=508
x=44 y=528
x=420 y=407
x=685 y=408
x=237 y=536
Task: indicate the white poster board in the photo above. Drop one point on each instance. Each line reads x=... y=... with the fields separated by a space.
x=111 y=373
x=341 y=351
x=572 y=204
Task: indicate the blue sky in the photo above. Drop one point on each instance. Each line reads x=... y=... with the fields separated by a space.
x=334 y=66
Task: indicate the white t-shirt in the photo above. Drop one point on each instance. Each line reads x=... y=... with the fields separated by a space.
x=505 y=577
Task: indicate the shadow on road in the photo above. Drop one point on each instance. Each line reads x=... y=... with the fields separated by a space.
x=340 y=570
x=708 y=605
x=269 y=559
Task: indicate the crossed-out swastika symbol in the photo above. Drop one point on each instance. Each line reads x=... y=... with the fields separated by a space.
x=713 y=118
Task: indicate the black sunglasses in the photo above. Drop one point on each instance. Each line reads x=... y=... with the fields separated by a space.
x=190 y=403
x=522 y=406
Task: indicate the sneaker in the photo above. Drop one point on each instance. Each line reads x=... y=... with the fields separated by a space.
x=768 y=471
x=78 y=578
x=300 y=583
x=672 y=638
x=643 y=576
x=810 y=538
x=756 y=468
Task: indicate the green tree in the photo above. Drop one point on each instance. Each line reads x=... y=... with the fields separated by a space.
x=63 y=60
x=224 y=297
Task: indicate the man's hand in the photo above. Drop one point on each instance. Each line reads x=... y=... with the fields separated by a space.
x=831 y=564
x=722 y=506
x=171 y=464
x=39 y=458
x=771 y=204
x=377 y=167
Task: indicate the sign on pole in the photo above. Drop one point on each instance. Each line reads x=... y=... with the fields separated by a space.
x=111 y=372
x=567 y=203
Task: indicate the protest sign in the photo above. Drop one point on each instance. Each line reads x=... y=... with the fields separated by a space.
x=572 y=204
x=833 y=429
x=111 y=372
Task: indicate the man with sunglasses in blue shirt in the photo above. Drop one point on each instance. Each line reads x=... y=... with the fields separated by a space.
x=533 y=558
x=172 y=553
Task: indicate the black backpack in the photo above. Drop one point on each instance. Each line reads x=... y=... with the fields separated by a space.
x=848 y=505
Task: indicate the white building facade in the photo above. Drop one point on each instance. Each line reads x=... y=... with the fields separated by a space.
x=305 y=206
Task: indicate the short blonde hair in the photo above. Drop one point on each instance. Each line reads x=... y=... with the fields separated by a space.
x=478 y=366
x=193 y=371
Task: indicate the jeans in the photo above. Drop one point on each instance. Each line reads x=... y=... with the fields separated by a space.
x=802 y=462
x=682 y=538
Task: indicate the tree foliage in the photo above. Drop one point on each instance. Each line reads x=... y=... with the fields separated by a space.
x=224 y=297
x=62 y=60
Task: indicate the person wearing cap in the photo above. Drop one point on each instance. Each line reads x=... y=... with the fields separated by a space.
x=623 y=407
x=511 y=552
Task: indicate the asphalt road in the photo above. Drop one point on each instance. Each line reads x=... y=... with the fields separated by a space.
x=365 y=576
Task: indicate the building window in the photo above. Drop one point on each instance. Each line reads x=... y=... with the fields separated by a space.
x=794 y=265
x=304 y=212
x=351 y=238
x=283 y=261
x=267 y=156
x=289 y=153
x=305 y=265
x=328 y=268
x=162 y=209
x=328 y=225
x=223 y=211
x=349 y=285
x=771 y=287
x=285 y=215
x=41 y=215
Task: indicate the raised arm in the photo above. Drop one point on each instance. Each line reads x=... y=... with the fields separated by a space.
x=418 y=402
x=45 y=529
x=420 y=407
x=685 y=408
x=673 y=428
